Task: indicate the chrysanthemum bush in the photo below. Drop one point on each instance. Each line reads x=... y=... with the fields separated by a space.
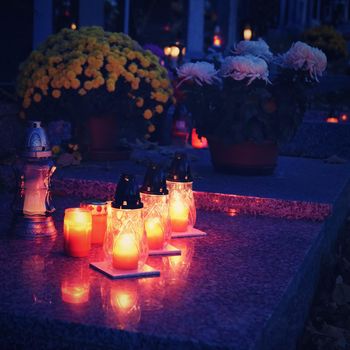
x=91 y=72
x=252 y=95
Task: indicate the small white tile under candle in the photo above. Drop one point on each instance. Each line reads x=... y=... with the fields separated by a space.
x=191 y=232
x=106 y=268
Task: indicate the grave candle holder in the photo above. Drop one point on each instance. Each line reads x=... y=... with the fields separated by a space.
x=154 y=196
x=182 y=209
x=34 y=170
x=126 y=244
x=99 y=219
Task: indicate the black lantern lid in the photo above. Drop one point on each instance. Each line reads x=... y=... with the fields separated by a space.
x=154 y=181
x=180 y=170
x=127 y=194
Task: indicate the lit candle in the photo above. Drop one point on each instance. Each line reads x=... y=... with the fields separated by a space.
x=77 y=232
x=155 y=233
x=34 y=198
x=247 y=34
x=125 y=252
x=178 y=212
x=99 y=220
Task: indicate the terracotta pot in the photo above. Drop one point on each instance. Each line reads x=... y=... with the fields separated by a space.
x=104 y=138
x=245 y=158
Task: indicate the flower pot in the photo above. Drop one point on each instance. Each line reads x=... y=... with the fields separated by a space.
x=104 y=139
x=247 y=158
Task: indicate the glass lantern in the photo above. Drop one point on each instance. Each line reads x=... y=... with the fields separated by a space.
x=182 y=209
x=35 y=169
x=154 y=196
x=125 y=245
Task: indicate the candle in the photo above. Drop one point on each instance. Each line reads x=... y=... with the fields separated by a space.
x=77 y=232
x=99 y=220
x=125 y=252
x=155 y=233
x=34 y=198
x=178 y=216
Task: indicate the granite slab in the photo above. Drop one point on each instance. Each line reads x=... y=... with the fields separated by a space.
x=221 y=293
x=300 y=188
x=299 y=179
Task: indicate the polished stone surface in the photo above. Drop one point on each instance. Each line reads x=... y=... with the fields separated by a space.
x=295 y=179
x=221 y=293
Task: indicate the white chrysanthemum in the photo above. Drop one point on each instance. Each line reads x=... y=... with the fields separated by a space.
x=258 y=48
x=241 y=67
x=200 y=72
x=305 y=57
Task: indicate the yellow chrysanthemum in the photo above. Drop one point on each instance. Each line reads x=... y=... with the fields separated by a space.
x=128 y=76
x=56 y=93
x=159 y=109
x=37 y=97
x=145 y=63
x=132 y=68
x=164 y=83
x=131 y=55
x=82 y=92
x=139 y=102
x=71 y=74
x=155 y=84
x=75 y=84
x=151 y=128
x=26 y=103
x=147 y=114
x=88 y=85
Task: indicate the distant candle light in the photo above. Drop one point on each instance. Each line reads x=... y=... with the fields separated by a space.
x=73 y=26
x=332 y=120
x=247 y=34
x=167 y=50
x=174 y=51
x=344 y=117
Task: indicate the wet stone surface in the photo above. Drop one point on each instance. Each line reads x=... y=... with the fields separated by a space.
x=219 y=294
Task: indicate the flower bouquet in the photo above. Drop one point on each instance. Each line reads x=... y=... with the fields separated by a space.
x=76 y=75
x=251 y=102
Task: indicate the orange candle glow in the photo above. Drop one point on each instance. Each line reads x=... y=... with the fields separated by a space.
x=125 y=303
x=99 y=227
x=75 y=293
x=178 y=216
x=99 y=220
x=247 y=34
x=333 y=120
x=344 y=117
x=77 y=232
x=198 y=142
x=125 y=253
x=155 y=233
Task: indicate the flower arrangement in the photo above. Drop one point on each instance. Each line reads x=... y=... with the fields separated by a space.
x=328 y=40
x=79 y=73
x=242 y=101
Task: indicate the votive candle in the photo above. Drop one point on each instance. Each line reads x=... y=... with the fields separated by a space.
x=155 y=233
x=178 y=212
x=77 y=232
x=125 y=252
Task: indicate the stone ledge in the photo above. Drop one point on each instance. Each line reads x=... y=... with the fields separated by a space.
x=207 y=200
